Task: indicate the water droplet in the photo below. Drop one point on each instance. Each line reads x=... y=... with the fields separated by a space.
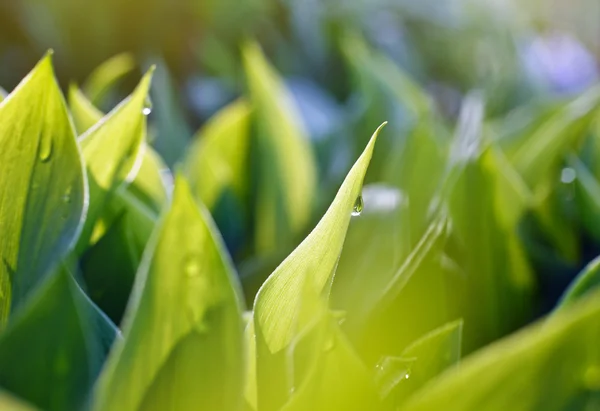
x=406 y=376
x=358 y=206
x=45 y=148
x=591 y=378
x=292 y=390
x=567 y=175
x=192 y=266
x=67 y=196
x=147 y=106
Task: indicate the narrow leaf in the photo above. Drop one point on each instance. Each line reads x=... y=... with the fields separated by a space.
x=286 y=177
x=113 y=152
x=217 y=166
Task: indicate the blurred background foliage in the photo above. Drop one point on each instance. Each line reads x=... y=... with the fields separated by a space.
x=348 y=66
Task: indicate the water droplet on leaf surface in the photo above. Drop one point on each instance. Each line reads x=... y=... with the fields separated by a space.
x=147 y=106
x=358 y=206
x=45 y=148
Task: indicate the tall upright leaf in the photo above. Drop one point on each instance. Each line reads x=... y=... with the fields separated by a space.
x=43 y=195
x=113 y=152
x=217 y=166
x=285 y=165
x=183 y=346
x=280 y=312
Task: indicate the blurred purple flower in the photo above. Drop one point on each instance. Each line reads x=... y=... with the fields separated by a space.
x=560 y=62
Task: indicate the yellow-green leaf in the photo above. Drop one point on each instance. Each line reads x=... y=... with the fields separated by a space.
x=587 y=197
x=9 y=402
x=286 y=179
x=552 y=366
x=84 y=113
x=106 y=75
x=42 y=185
x=336 y=378
x=587 y=281
x=218 y=159
x=183 y=346
x=113 y=152
x=280 y=312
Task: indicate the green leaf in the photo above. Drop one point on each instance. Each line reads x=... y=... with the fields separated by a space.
x=400 y=299
x=52 y=351
x=585 y=282
x=218 y=159
x=250 y=384
x=587 y=197
x=426 y=358
x=148 y=184
x=84 y=113
x=337 y=379
x=499 y=279
x=538 y=151
x=285 y=167
x=42 y=185
x=172 y=131
x=377 y=242
x=279 y=311
x=113 y=152
x=217 y=166
x=183 y=329
x=551 y=366
x=106 y=75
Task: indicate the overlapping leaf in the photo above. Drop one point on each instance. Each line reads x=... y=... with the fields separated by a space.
x=280 y=312
x=61 y=329
x=552 y=366
x=183 y=329
x=218 y=165
x=113 y=152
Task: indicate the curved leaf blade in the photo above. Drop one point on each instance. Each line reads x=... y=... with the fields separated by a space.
x=52 y=351
x=280 y=310
x=184 y=318
x=106 y=75
x=112 y=150
x=551 y=366
x=585 y=282
x=43 y=194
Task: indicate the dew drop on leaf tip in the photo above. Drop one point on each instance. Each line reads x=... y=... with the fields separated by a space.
x=147 y=106
x=358 y=206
